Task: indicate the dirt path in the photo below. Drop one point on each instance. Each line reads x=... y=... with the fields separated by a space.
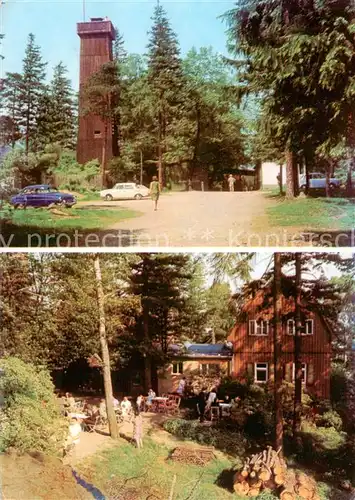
x=198 y=219
x=93 y=443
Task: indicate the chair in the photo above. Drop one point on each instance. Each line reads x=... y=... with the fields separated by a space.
x=91 y=425
x=215 y=415
x=173 y=405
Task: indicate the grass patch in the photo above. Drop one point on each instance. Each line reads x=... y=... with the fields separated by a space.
x=313 y=213
x=78 y=218
x=125 y=472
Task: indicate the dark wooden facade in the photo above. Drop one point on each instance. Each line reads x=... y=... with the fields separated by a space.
x=249 y=349
x=96 y=39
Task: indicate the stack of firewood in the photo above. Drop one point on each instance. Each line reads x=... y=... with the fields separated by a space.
x=200 y=456
x=266 y=470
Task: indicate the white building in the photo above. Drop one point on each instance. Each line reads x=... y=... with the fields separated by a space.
x=269 y=173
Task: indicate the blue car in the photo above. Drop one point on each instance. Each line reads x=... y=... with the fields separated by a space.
x=41 y=195
x=317 y=181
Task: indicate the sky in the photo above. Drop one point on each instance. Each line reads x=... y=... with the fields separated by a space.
x=54 y=25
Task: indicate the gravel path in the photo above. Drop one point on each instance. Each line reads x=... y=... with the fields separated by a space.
x=198 y=219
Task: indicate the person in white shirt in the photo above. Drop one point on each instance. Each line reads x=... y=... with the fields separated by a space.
x=126 y=407
x=231 y=182
x=212 y=397
x=140 y=402
x=115 y=402
x=73 y=438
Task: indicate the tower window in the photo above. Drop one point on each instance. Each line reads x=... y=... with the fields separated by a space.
x=97 y=134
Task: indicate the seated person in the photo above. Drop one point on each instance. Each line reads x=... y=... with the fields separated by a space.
x=115 y=402
x=102 y=409
x=151 y=396
x=140 y=402
x=126 y=407
x=69 y=402
x=212 y=399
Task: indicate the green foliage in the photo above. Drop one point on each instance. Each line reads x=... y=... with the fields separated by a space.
x=73 y=176
x=30 y=418
x=338 y=385
x=226 y=440
x=330 y=419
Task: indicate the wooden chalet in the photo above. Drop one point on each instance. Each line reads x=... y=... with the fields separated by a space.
x=252 y=339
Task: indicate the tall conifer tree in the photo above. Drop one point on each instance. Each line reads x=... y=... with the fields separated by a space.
x=165 y=77
x=32 y=87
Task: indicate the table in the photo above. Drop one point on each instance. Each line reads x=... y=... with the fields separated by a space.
x=225 y=408
x=159 y=403
x=78 y=415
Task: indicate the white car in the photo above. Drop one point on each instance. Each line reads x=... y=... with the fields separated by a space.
x=125 y=191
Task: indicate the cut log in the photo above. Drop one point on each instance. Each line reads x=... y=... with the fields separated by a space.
x=287 y=495
x=253 y=492
x=280 y=479
x=264 y=475
x=241 y=488
x=288 y=491
x=270 y=485
x=305 y=492
x=238 y=477
x=256 y=483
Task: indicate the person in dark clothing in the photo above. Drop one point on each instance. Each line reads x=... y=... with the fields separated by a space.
x=201 y=404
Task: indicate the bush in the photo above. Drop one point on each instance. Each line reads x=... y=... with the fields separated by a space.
x=29 y=417
x=330 y=419
x=224 y=439
x=338 y=385
x=233 y=388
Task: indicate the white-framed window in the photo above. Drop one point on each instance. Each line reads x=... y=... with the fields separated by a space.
x=309 y=327
x=178 y=368
x=258 y=327
x=304 y=372
x=209 y=368
x=291 y=327
x=261 y=372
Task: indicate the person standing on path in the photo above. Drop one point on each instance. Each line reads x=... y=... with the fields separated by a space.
x=155 y=191
x=231 y=182
x=137 y=426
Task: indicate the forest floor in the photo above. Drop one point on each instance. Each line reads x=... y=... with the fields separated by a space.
x=119 y=471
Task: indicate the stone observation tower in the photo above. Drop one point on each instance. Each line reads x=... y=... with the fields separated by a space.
x=96 y=37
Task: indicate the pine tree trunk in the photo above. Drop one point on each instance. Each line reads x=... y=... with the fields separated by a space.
x=298 y=352
x=307 y=164
x=27 y=133
x=197 y=141
x=277 y=354
x=147 y=358
x=327 y=181
x=160 y=151
x=103 y=157
x=281 y=180
x=349 y=181
x=112 y=422
x=290 y=175
x=257 y=178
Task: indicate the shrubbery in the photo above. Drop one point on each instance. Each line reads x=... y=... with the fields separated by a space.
x=224 y=439
x=29 y=417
